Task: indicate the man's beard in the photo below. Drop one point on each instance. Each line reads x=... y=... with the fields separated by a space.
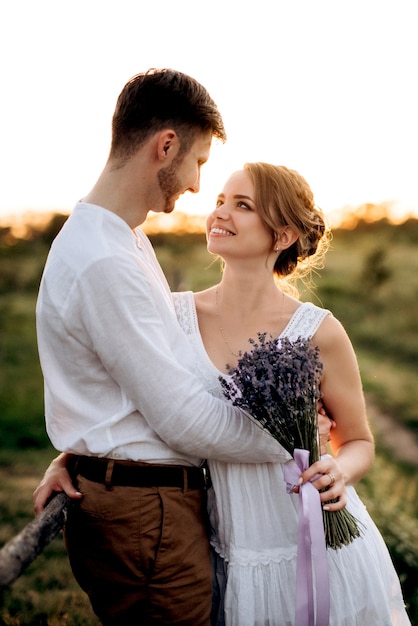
x=170 y=184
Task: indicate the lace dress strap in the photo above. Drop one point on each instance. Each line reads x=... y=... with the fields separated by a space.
x=186 y=311
x=305 y=321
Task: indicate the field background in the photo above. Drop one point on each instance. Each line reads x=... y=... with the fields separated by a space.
x=370 y=282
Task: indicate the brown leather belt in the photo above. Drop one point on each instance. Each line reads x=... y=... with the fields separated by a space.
x=129 y=474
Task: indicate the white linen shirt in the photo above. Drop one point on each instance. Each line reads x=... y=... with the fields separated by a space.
x=118 y=369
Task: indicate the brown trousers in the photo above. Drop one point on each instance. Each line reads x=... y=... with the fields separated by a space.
x=142 y=554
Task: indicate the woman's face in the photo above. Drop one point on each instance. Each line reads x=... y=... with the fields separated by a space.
x=234 y=229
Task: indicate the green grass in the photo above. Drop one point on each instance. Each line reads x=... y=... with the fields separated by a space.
x=46 y=593
x=390 y=492
x=20 y=374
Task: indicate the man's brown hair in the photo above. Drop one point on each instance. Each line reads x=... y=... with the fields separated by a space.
x=158 y=99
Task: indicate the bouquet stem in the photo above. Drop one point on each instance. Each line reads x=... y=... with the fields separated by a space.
x=340 y=527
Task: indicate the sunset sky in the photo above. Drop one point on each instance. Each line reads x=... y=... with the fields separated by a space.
x=327 y=87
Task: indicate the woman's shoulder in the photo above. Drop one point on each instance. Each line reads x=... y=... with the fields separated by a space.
x=331 y=333
x=205 y=300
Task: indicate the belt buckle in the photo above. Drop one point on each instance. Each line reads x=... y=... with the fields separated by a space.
x=206 y=480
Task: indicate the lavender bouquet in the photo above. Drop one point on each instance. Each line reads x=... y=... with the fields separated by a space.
x=278 y=383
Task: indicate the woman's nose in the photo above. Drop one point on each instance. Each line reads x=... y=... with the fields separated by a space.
x=221 y=211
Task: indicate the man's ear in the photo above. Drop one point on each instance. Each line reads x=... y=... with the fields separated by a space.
x=167 y=144
x=285 y=237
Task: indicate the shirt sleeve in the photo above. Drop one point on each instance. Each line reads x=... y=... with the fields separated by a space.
x=118 y=314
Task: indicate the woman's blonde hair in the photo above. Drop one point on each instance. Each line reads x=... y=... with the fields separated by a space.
x=284 y=198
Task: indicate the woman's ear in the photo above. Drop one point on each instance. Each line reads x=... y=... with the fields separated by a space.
x=284 y=238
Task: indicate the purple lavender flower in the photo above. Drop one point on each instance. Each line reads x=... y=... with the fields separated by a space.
x=278 y=383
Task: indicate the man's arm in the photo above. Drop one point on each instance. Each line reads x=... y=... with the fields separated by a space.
x=133 y=344
x=57 y=477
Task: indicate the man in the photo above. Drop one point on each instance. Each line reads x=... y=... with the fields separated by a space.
x=120 y=393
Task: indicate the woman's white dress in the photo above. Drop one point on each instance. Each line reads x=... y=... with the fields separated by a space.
x=254 y=528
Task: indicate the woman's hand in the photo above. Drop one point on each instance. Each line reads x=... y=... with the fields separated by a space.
x=56 y=478
x=330 y=478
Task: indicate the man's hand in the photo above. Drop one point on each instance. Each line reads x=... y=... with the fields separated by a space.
x=56 y=478
x=325 y=425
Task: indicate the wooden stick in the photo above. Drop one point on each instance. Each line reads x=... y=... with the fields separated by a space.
x=21 y=550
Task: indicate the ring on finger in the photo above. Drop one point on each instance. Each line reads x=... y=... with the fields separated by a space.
x=331 y=479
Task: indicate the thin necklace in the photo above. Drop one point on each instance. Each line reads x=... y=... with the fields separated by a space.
x=221 y=330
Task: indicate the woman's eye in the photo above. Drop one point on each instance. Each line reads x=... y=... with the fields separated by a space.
x=244 y=205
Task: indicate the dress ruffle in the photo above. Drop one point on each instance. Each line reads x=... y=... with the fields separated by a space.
x=364 y=587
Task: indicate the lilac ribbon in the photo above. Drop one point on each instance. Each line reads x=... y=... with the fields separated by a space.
x=312 y=553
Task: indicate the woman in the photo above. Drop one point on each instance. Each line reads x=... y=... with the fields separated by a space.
x=266 y=228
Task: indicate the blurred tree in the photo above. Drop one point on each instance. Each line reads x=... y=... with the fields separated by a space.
x=375 y=270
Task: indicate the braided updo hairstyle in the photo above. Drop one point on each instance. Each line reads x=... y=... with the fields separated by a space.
x=284 y=198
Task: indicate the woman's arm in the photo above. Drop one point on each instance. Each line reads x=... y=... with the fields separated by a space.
x=342 y=395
